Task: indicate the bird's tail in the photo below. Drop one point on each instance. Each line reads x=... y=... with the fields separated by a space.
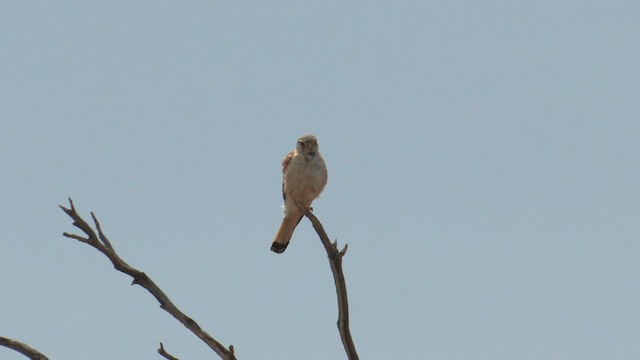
x=281 y=240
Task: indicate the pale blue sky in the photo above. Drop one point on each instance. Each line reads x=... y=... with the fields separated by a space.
x=483 y=168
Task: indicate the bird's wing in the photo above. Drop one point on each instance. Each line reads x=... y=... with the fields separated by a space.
x=285 y=164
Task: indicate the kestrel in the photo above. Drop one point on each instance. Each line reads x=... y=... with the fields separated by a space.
x=304 y=175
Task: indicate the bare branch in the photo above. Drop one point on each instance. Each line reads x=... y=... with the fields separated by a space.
x=165 y=354
x=335 y=260
x=102 y=236
x=102 y=244
x=22 y=348
x=77 y=237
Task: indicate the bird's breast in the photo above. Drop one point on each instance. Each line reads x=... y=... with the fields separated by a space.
x=305 y=178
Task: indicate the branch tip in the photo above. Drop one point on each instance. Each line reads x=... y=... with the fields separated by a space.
x=77 y=237
x=101 y=234
x=343 y=251
x=165 y=354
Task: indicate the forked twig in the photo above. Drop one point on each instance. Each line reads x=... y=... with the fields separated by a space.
x=101 y=243
x=335 y=260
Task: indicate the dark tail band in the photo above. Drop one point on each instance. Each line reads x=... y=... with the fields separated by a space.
x=278 y=248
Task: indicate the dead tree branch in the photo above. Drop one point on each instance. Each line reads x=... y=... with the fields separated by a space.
x=165 y=354
x=100 y=242
x=22 y=348
x=335 y=260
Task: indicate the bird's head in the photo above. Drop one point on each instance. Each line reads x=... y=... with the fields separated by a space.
x=307 y=145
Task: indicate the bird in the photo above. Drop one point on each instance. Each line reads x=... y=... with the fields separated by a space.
x=304 y=176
